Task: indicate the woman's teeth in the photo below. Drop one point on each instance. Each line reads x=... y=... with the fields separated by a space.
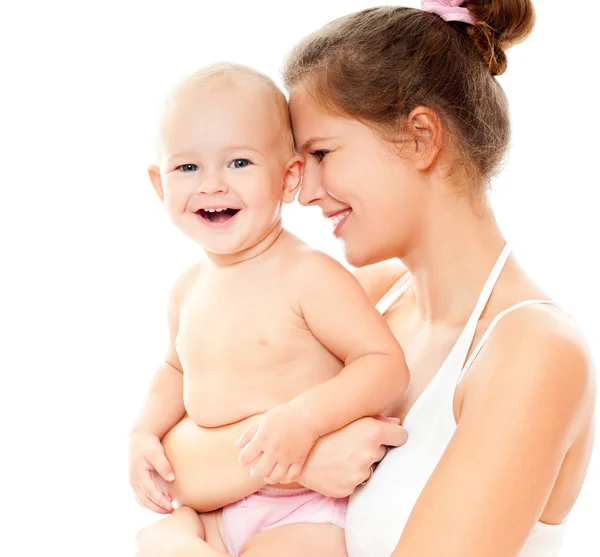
x=336 y=219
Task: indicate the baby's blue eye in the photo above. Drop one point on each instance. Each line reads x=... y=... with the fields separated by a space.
x=239 y=163
x=188 y=167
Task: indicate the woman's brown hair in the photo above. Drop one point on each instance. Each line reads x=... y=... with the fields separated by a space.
x=378 y=64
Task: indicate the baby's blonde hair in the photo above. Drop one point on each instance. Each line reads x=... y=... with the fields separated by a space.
x=228 y=72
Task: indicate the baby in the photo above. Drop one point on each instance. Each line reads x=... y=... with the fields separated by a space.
x=265 y=325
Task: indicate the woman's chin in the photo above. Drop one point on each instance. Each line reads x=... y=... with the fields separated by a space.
x=360 y=257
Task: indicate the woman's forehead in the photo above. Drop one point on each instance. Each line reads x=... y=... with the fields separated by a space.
x=313 y=124
x=310 y=121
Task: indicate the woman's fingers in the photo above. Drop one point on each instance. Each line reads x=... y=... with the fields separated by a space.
x=383 y=418
x=391 y=434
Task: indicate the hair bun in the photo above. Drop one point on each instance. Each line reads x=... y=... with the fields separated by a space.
x=500 y=25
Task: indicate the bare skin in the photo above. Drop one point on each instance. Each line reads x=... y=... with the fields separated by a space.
x=267 y=327
x=527 y=406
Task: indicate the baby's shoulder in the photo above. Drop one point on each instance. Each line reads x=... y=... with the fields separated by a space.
x=378 y=278
x=307 y=262
x=183 y=283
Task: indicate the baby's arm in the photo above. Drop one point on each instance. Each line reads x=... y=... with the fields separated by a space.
x=162 y=409
x=340 y=315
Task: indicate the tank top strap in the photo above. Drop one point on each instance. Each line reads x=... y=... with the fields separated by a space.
x=490 y=329
x=397 y=289
x=459 y=353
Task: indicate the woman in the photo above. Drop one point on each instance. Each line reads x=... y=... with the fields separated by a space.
x=403 y=123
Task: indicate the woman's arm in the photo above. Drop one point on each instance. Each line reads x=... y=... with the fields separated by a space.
x=208 y=475
x=516 y=424
x=342 y=460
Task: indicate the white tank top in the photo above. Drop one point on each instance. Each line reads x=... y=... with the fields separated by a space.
x=379 y=511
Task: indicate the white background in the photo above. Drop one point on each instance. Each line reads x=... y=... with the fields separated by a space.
x=88 y=254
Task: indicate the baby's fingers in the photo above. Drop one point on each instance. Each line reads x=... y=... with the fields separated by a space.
x=250 y=453
x=246 y=437
x=292 y=474
x=277 y=475
x=262 y=468
x=159 y=462
x=148 y=503
x=151 y=490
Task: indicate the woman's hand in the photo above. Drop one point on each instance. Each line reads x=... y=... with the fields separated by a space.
x=342 y=460
x=147 y=460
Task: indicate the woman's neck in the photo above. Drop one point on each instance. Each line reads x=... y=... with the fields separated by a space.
x=457 y=247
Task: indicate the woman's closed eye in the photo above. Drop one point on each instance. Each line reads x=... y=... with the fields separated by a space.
x=319 y=154
x=239 y=163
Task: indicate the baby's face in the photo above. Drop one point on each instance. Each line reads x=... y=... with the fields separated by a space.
x=223 y=165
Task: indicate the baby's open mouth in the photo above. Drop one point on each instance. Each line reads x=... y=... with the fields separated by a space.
x=217 y=216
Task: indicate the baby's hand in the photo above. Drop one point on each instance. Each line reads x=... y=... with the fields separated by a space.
x=278 y=445
x=147 y=460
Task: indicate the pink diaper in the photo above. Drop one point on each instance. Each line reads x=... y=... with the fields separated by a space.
x=271 y=507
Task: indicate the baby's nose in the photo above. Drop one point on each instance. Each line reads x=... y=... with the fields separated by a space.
x=211 y=186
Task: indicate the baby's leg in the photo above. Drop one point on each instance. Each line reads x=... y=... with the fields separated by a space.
x=297 y=540
x=183 y=534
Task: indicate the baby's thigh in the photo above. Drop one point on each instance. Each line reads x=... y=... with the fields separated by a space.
x=213 y=529
x=297 y=540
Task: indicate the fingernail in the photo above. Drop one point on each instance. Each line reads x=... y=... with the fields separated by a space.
x=171 y=477
x=394 y=420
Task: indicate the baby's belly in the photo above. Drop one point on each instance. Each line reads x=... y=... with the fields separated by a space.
x=205 y=461
x=207 y=473
x=222 y=397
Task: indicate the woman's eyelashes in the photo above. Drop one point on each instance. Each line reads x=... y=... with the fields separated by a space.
x=319 y=154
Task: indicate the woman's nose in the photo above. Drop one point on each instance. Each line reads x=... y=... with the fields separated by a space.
x=311 y=191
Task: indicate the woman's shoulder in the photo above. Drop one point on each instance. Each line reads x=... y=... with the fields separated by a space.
x=538 y=354
x=378 y=278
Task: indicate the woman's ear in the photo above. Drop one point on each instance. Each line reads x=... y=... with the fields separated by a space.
x=292 y=178
x=425 y=127
x=154 y=175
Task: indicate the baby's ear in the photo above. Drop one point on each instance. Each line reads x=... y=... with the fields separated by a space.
x=154 y=175
x=292 y=178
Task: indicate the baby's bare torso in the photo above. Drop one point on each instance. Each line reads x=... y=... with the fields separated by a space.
x=243 y=343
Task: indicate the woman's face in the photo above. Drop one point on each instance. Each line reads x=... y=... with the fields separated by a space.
x=369 y=191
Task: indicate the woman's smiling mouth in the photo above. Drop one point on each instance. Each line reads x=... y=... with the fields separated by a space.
x=338 y=219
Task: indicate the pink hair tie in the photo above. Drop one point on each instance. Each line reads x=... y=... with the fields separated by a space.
x=449 y=10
